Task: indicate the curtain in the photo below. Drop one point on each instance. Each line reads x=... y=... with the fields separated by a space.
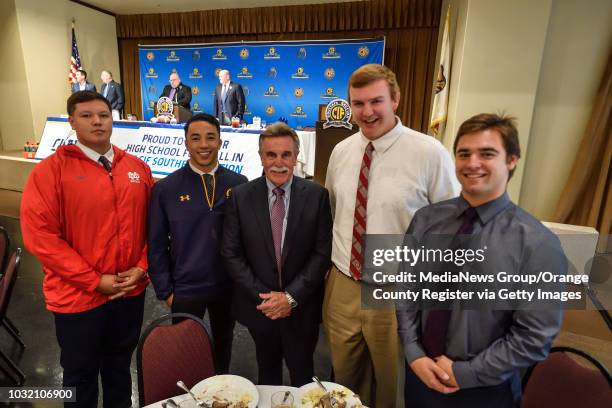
x=587 y=196
x=410 y=28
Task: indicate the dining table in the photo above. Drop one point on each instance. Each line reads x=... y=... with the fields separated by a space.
x=265 y=396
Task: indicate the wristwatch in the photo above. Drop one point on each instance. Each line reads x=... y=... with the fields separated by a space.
x=292 y=302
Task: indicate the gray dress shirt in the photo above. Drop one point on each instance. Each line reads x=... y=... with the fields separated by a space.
x=489 y=347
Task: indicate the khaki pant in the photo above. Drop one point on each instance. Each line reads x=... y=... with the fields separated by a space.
x=363 y=343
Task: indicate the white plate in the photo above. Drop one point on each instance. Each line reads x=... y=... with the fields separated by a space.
x=232 y=387
x=307 y=390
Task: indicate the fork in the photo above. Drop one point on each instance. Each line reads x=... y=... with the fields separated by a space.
x=332 y=399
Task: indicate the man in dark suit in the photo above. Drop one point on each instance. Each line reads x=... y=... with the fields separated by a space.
x=229 y=99
x=177 y=91
x=81 y=83
x=277 y=249
x=113 y=93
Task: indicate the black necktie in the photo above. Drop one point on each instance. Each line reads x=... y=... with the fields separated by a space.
x=106 y=163
x=208 y=179
x=436 y=326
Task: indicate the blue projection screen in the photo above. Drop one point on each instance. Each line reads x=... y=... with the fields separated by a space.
x=280 y=79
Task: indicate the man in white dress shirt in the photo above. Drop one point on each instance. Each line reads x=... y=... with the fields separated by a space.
x=377 y=179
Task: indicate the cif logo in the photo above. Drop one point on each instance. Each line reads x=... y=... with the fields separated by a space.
x=298 y=92
x=196 y=107
x=219 y=55
x=301 y=54
x=338 y=114
x=363 y=52
x=150 y=56
x=272 y=73
x=330 y=73
x=172 y=56
x=298 y=112
x=195 y=90
x=244 y=73
x=246 y=91
x=329 y=94
x=244 y=53
x=271 y=91
x=195 y=55
x=272 y=54
x=300 y=74
x=165 y=106
x=331 y=53
x=151 y=105
x=246 y=110
x=270 y=110
x=195 y=73
x=152 y=89
x=151 y=73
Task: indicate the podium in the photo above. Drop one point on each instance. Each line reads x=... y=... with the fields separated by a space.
x=181 y=113
x=326 y=140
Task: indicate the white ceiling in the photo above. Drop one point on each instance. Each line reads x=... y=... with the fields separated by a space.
x=173 y=6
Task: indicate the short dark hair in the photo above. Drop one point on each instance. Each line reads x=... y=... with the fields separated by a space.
x=84 y=96
x=83 y=72
x=202 y=117
x=279 y=129
x=504 y=124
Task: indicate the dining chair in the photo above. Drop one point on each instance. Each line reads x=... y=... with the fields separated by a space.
x=5 y=250
x=174 y=347
x=560 y=381
x=7 y=283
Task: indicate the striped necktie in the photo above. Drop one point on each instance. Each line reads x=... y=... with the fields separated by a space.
x=361 y=210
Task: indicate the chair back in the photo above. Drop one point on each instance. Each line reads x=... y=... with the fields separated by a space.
x=5 y=247
x=560 y=381
x=170 y=352
x=7 y=282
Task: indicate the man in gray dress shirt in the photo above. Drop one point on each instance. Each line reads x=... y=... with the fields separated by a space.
x=481 y=351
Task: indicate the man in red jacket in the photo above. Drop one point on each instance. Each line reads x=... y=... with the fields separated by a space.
x=83 y=215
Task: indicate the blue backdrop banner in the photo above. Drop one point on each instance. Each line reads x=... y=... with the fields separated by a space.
x=280 y=79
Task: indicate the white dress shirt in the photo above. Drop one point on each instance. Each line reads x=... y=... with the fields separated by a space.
x=95 y=156
x=200 y=172
x=409 y=170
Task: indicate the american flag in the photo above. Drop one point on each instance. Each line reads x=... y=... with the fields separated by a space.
x=75 y=60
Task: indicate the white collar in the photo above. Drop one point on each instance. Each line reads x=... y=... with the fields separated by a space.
x=93 y=155
x=200 y=172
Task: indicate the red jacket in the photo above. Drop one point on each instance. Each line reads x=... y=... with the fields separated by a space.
x=80 y=224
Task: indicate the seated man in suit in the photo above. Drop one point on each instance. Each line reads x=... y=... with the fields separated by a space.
x=113 y=93
x=472 y=358
x=277 y=249
x=229 y=99
x=81 y=83
x=178 y=92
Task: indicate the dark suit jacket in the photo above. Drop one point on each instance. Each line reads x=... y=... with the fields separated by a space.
x=88 y=87
x=114 y=95
x=182 y=95
x=234 y=101
x=248 y=252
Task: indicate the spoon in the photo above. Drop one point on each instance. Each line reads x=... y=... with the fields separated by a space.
x=199 y=403
x=169 y=404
